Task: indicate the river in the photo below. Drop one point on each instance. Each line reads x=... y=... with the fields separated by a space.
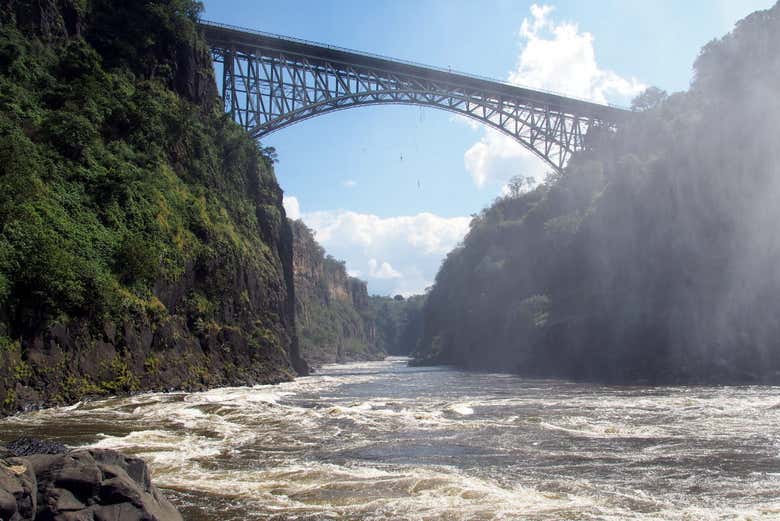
x=381 y=440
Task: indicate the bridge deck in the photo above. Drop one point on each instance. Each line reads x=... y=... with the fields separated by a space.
x=245 y=40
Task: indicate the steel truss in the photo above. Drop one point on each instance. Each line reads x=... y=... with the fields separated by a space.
x=269 y=86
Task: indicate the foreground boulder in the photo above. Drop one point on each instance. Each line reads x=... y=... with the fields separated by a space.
x=80 y=485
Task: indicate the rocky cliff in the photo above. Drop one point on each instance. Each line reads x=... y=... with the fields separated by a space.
x=143 y=243
x=652 y=258
x=335 y=320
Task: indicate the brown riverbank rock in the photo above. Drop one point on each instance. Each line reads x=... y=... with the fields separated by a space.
x=80 y=485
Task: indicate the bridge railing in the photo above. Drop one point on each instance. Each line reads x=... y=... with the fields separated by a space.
x=397 y=60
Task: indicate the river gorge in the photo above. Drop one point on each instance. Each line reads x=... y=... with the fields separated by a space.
x=382 y=440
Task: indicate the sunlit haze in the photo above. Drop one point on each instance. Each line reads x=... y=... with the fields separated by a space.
x=399 y=260
x=394 y=186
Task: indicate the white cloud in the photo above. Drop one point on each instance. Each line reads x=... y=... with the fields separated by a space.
x=349 y=183
x=427 y=232
x=497 y=157
x=554 y=56
x=558 y=57
x=473 y=124
x=414 y=282
x=382 y=270
x=395 y=254
x=291 y=207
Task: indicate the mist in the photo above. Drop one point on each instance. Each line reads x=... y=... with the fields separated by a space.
x=176 y=343
x=652 y=258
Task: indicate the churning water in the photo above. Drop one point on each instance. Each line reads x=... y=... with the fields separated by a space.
x=381 y=440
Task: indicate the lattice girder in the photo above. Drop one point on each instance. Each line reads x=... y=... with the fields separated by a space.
x=270 y=82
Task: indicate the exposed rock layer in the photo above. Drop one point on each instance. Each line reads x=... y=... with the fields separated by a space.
x=336 y=322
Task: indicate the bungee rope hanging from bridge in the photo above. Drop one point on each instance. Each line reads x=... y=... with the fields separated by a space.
x=270 y=82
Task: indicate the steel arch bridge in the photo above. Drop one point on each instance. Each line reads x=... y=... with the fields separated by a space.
x=270 y=82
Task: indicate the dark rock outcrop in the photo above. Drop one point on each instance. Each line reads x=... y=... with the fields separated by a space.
x=49 y=19
x=31 y=446
x=79 y=485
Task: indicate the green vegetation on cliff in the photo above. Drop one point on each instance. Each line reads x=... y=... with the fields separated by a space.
x=654 y=256
x=337 y=321
x=398 y=323
x=143 y=244
x=334 y=320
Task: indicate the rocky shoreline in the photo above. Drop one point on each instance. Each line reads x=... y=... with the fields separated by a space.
x=48 y=481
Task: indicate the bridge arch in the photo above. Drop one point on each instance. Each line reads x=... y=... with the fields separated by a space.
x=550 y=157
x=270 y=82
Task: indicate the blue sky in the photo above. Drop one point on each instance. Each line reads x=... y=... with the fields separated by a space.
x=389 y=189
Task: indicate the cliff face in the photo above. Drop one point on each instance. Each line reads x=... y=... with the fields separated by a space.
x=398 y=323
x=653 y=257
x=335 y=320
x=143 y=243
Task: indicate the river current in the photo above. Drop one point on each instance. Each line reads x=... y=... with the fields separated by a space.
x=381 y=440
